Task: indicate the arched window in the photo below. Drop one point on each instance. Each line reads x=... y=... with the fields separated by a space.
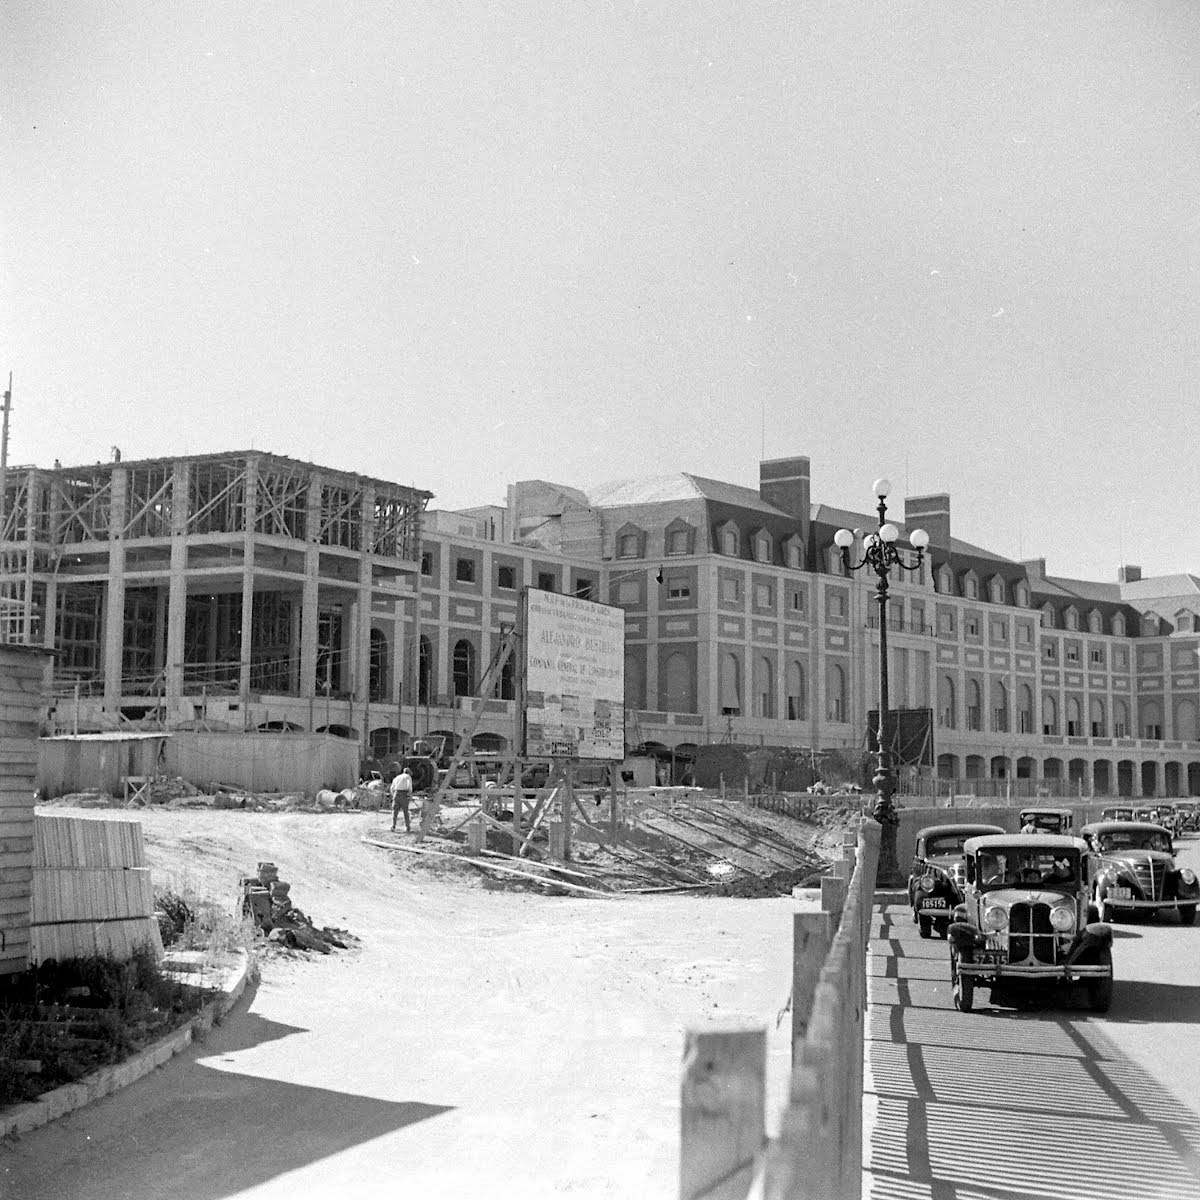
x=996 y=590
x=999 y=706
x=630 y=542
x=731 y=684
x=424 y=671
x=1118 y=624
x=1096 y=717
x=1071 y=617
x=464 y=668
x=944 y=580
x=1049 y=714
x=1149 y=624
x=1021 y=594
x=1120 y=718
x=764 y=687
x=679 y=538
x=834 y=561
x=763 y=546
x=970 y=585
x=1095 y=621
x=835 y=692
x=1047 y=615
x=974 y=705
x=794 y=552
x=797 y=704
x=506 y=685
x=635 y=677
x=679 y=685
x=1024 y=708
x=946 y=707
x=1074 y=717
x=377 y=673
x=1151 y=720
x=728 y=542
x=1185 y=721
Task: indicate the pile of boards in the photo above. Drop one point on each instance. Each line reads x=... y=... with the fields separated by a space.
x=92 y=893
x=265 y=900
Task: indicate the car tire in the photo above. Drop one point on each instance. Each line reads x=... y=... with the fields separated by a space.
x=1187 y=914
x=962 y=987
x=1099 y=991
x=926 y=926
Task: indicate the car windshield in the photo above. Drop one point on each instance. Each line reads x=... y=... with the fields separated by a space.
x=1022 y=867
x=1046 y=822
x=1118 y=814
x=945 y=843
x=1135 y=839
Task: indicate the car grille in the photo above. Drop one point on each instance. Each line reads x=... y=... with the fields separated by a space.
x=1030 y=935
x=1150 y=876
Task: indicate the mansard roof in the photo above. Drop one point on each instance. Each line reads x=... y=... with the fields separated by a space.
x=682 y=486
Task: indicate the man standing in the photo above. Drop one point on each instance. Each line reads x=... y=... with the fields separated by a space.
x=402 y=789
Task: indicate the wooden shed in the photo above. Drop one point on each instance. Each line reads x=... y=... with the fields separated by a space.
x=24 y=682
x=82 y=762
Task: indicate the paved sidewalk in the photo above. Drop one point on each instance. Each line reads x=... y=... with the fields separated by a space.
x=1005 y=1105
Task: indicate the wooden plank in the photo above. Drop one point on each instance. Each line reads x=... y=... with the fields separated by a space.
x=723 y=1110
x=492 y=866
x=812 y=933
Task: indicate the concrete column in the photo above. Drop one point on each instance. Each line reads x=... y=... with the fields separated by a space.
x=309 y=599
x=361 y=655
x=247 y=646
x=50 y=623
x=33 y=497
x=114 y=609
x=177 y=591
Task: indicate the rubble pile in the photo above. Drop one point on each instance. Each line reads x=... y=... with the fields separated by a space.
x=265 y=900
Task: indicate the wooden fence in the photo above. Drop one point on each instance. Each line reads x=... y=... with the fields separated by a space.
x=724 y=1151
x=91 y=890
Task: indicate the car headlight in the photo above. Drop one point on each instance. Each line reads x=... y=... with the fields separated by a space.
x=995 y=918
x=1062 y=918
x=926 y=882
x=1188 y=876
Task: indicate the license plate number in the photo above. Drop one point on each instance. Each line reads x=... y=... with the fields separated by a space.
x=989 y=958
x=1120 y=894
x=934 y=902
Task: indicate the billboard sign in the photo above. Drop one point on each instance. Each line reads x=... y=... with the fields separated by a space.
x=574 y=677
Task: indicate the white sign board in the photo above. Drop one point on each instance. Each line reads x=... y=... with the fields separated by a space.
x=574 y=677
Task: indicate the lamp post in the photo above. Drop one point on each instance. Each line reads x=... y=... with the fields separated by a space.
x=881 y=554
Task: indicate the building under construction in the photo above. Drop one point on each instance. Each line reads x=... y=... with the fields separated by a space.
x=239 y=589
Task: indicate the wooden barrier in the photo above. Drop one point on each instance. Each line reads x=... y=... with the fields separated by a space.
x=818 y=1152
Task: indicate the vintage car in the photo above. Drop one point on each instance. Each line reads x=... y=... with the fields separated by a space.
x=1147 y=814
x=1189 y=816
x=1136 y=870
x=1120 y=812
x=935 y=880
x=1047 y=820
x=1168 y=818
x=1024 y=921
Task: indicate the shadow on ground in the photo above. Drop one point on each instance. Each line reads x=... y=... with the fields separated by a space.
x=1031 y=1105
x=196 y=1131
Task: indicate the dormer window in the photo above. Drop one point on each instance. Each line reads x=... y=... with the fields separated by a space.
x=945 y=580
x=1095 y=621
x=631 y=542
x=1070 y=617
x=1150 y=624
x=1118 y=624
x=1021 y=594
x=793 y=552
x=970 y=585
x=762 y=546
x=836 y=564
x=728 y=542
x=1048 y=616
x=996 y=590
x=680 y=538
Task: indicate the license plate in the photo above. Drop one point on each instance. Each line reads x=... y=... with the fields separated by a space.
x=1120 y=894
x=989 y=958
x=935 y=902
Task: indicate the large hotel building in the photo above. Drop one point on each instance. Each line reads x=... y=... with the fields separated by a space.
x=248 y=591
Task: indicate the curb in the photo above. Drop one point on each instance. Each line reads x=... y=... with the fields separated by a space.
x=22 y=1118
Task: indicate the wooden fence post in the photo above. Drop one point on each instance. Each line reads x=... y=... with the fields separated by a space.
x=723 y=1108
x=811 y=935
x=833 y=895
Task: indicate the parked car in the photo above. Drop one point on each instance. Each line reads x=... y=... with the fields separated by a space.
x=1136 y=870
x=1024 y=921
x=1189 y=816
x=1047 y=820
x=935 y=880
x=1120 y=812
x=1168 y=818
x=1147 y=814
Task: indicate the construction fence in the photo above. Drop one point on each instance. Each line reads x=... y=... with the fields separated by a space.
x=724 y=1151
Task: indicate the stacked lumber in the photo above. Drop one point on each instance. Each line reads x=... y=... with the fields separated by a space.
x=92 y=892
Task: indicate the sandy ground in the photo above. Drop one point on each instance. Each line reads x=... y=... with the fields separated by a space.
x=478 y=1039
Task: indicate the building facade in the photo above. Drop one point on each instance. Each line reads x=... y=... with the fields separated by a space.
x=377 y=618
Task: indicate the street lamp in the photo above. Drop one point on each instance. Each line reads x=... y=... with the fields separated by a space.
x=881 y=554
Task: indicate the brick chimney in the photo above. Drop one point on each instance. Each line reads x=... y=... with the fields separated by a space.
x=931 y=513
x=1129 y=574
x=785 y=484
x=1035 y=568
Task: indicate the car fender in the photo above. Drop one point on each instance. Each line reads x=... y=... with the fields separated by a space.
x=965 y=938
x=1185 y=890
x=1096 y=936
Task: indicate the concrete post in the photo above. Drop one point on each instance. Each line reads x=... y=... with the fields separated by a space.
x=114 y=608
x=310 y=599
x=246 y=650
x=177 y=591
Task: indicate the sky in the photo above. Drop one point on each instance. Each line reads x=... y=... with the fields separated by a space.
x=456 y=245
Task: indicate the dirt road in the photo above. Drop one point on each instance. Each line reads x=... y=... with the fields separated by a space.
x=480 y=1041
